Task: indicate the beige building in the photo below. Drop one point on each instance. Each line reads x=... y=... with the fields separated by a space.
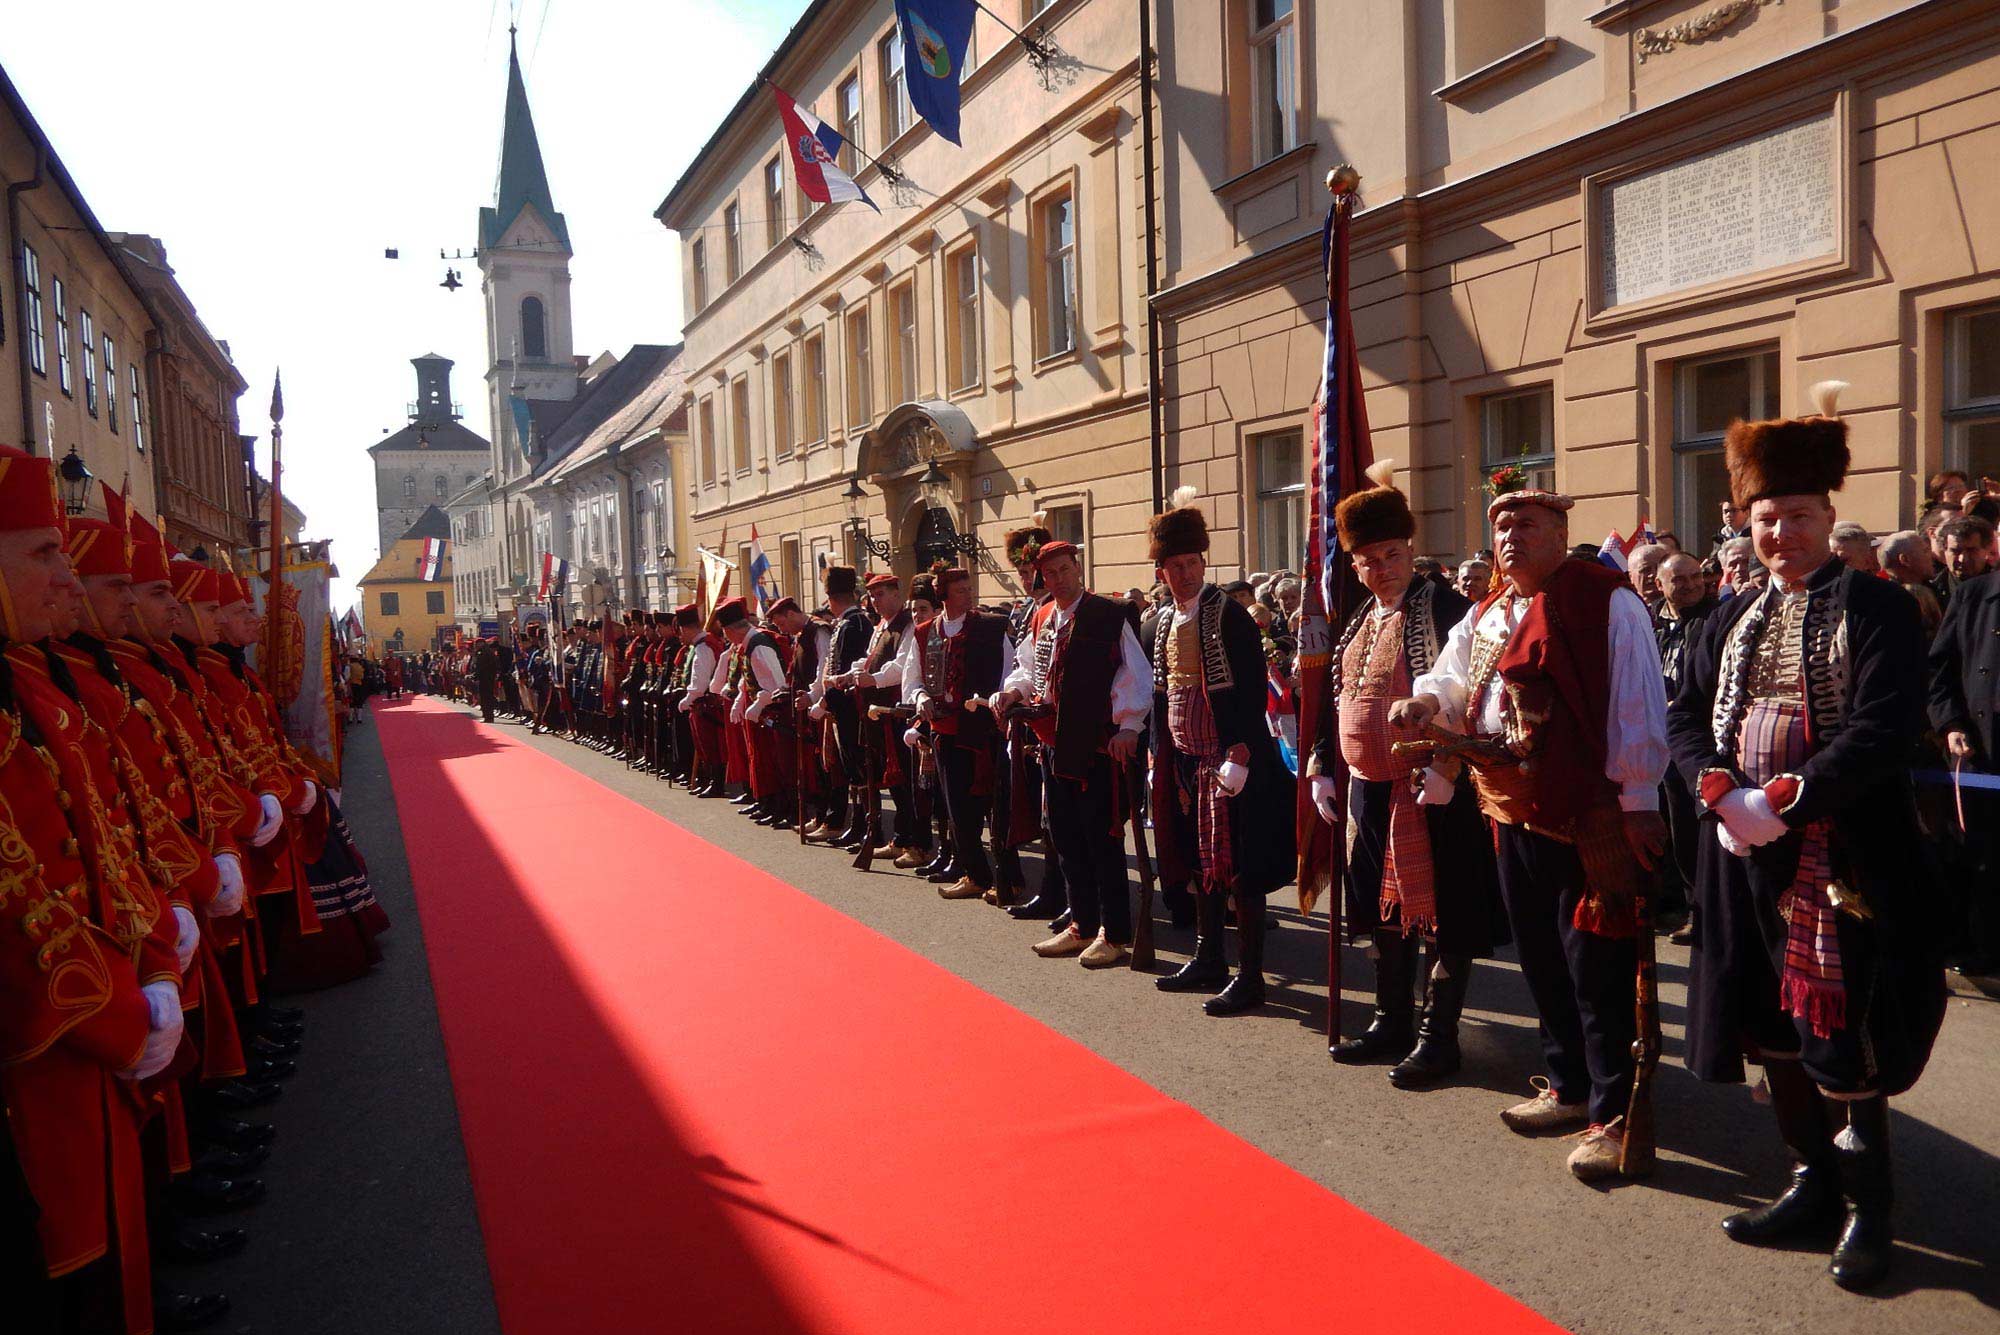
x=991 y=320
x=1592 y=236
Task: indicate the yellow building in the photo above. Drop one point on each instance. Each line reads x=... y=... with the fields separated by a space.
x=401 y=610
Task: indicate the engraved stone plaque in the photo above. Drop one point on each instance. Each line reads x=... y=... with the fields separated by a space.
x=1757 y=204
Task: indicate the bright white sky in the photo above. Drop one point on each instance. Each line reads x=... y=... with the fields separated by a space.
x=277 y=148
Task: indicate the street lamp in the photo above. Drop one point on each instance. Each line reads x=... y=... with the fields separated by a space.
x=879 y=548
x=76 y=479
x=937 y=496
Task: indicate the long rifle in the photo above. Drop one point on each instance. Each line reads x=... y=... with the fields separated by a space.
x=1636 y=1157
x=1142 y=926
x=801 y=717
x=871 y=764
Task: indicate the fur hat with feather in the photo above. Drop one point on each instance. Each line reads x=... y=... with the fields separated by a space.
x=1790 y=456
x=1377 y=513
x=1179 y=529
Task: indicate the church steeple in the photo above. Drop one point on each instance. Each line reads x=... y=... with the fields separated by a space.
x=523 y=178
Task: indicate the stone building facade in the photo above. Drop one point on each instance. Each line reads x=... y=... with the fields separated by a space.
x=429 y=461
x=401 y=611
x=992 y=321
x=1591 y=237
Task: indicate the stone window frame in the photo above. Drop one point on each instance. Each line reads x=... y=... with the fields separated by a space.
x=138 y=409
x=899 y=117
x=31 y=280
x=65 y=368
x=742 y=451
x=732 y=242
x=1298 y=493
x=1491 y=457
x=1687 y=444
x=859 y=369
x=697 y=275
x=705 y=428
x=1063 y=186
x=965 y=368
x=774 y=202
x=1963 y=410
x=1235 y=40
x=434 y=602
x=110 y=382
x=902 y=368
x=853 y=129
x=1280 y=34
x=528 y=350
x=389 y=603
x=87 y=342
x=813 y=390
x=784 y=405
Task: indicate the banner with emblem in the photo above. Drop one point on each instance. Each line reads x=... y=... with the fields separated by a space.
x=305 y=693
x=936 y=35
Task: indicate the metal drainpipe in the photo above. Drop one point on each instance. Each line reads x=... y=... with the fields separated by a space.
x=14 y=193
x=1156 y=433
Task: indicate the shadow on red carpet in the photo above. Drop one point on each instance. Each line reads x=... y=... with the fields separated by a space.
x=697 y=1099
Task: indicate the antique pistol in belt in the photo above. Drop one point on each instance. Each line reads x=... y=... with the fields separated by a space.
x=1449 y=752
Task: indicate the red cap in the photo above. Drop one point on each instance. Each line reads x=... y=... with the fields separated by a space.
x=883 y=581
x=783 y=605
x=27 y=491
x=232 y=588
x=96 y=548
x=1056 y=548
x=195 y=582
x=149 y=553
x=730 y=611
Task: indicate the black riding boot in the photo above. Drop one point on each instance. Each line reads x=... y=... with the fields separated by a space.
x=857 y=819
x=1389 y=1035
x=1246 y=990
x=1436 y=1054
x=1861 y=1257
x=1810 y=1206
x=1209 y=969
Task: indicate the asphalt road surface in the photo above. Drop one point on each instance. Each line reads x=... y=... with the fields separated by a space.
x=370 y=1227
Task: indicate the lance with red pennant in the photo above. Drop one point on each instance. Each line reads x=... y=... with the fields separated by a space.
x=1340 y=452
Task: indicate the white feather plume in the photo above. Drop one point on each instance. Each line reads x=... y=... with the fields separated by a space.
x=1183 y=495
x=1040 y=518
x=1826 y=397
x=1382 y=472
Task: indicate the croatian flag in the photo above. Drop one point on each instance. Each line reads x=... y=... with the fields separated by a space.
x=815 y=149
x=430 y=565
x=1617 y=550
x=760 y=574
x=555 y=576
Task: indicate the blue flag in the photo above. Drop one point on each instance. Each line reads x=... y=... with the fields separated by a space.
x=935 y=36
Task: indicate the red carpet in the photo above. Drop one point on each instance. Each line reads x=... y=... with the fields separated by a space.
x=696 y=1099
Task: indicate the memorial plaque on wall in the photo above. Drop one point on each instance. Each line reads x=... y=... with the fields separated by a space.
x=1761 y=203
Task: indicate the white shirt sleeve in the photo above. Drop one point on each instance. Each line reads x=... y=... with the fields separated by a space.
x=908 y=674
x=1449 y=681
x=718 y=680
x=891 y=672
x=1132 y=687
x=701 y=670
x=769 y=672
x=1635 y=731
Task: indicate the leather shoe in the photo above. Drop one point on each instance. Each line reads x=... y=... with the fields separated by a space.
x=184 y=1244
x=205 y=1193
x=177 y=1312
x=277 y=1014
x=242 y=1095
x=270 y=1068
x=1041 y=906
x=1244 y=993
x=232 y=1134
x=234 y=1163
x=280 y=1033
x=264 y=1045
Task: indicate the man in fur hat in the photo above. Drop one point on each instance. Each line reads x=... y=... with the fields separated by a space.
x=1557 y=668
x=1420 y=862
x=1222 y=796
x=1815 y=934
x=1085 y=677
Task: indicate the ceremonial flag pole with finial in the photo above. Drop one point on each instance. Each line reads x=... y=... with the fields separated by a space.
x=1340 y=451
x=274 y=635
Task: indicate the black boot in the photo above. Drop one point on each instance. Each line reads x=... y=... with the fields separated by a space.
x=1861 y=1257
x=177 y=1312
x=1209 y=969
x=1389 y=1035
x=1436 y=1054
x=934 y=869
x=1246 y=991
x=857 y=820
x=1810 y=1206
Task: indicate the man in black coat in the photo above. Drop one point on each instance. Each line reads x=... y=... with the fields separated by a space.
x=1964 y=701
x=1815 y=921
x=1222 y=797
x=486 y=667
x=1677 y=622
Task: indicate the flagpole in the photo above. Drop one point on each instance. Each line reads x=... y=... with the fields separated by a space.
x=273 y=629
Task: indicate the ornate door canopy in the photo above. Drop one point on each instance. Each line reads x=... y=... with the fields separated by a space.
x=911 y=435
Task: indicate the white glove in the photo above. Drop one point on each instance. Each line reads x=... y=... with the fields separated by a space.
x=817 y=712
x=228 y=899
x=306 y=802
x=1730 y=843
x=911 y=737
x=1747 y=815
x=163 y=1012
x=1232 y=776
x=274 y=820
x=1324 y=793
x=1437 y=790
x=188 y=936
